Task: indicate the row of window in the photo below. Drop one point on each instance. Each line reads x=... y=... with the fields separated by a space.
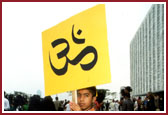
x=147 y=53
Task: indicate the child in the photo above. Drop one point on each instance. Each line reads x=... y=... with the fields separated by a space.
x=86 y=98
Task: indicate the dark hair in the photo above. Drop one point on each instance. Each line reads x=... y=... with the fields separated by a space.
x=122 y=92
x=35 y=103
x=128 y=88
x=126 y=91
x=150 y=95
x=139 y=97
x=56 y=98
x=92 y=90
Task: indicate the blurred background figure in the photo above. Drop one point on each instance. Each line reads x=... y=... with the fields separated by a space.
x=56 y=103
x=6 y=102
x=128 y=104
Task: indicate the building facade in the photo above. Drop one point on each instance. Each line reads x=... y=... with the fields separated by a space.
x=147 y=53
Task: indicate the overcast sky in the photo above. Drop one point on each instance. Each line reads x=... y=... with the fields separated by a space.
x=23 y=23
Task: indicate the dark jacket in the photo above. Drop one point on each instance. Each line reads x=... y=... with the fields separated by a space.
x=128 y=105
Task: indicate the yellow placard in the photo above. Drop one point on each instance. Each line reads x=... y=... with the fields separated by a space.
x=75 y=52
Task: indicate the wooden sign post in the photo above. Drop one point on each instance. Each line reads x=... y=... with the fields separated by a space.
x=74 y=96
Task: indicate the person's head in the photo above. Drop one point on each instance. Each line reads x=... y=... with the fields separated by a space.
x=86 y=97
x=139 y=98
x=56 y=98
x=48 y=99
x=113 y=100
x=150 y=95
x=128 y=89
x=122 y=92
x=126 y=92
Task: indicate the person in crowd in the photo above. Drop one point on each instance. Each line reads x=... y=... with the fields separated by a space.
x=156 y=98
x=111 y=107
x=116 y=105
x=135 y=104
x=67 y=106
x=61 y=106
x=161 y=103
x=19 y=102
x=121 y=103
x=99 y=100
x=65 y=103
x=56 y=103
x=35 y=103
x=128 y=105
x=151 y=102
x=145 y=103
x=139 y=102
x=86 y=98
x=107 y=105
x=48 y=104
x=6 y=103
x=11 y=102
x=25 y=106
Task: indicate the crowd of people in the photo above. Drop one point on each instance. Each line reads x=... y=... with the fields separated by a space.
x=151 y=102
x=34 y=103
x=88 y=100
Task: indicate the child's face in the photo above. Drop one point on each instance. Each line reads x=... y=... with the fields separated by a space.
x=85 y=99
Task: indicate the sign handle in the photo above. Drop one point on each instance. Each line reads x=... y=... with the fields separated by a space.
x=74 y=96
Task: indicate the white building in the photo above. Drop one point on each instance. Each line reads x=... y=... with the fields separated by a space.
x=147 y=53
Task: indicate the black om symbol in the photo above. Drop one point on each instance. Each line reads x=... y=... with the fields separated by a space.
x=78 y=58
